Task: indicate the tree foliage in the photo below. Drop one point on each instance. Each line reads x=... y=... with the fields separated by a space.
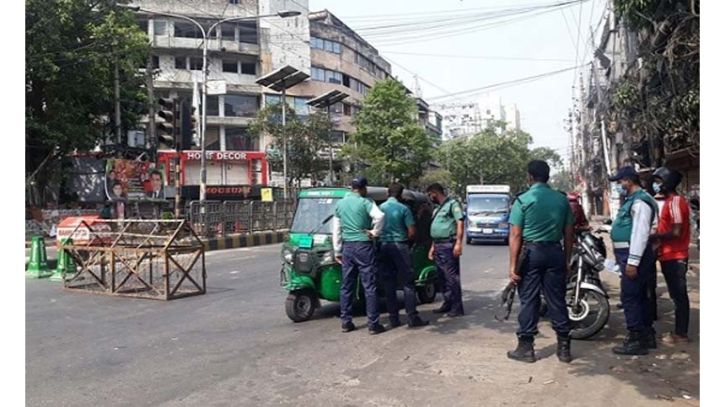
x=70 y=49
x=388 y=139
x=487 y=158
x=659 y=104
x=306 y=138
x=549 y=155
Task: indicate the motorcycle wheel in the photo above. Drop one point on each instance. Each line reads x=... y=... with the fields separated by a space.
x=427 y=293
x=592 y=315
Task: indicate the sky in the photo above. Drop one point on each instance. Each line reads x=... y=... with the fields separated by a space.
x=543 y=104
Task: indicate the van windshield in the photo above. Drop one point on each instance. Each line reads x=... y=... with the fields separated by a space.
x=480 y=204
x=310 y=214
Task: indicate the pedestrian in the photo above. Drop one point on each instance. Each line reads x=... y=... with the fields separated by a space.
x=356 y=222
x=540 y=218
x=581 y=223
x=395 y=261
x=634 y=255
x=673 y=241
x=446 y=231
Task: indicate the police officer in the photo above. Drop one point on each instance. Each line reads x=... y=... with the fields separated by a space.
x=356 y=222
x=635 y=257
x=446 y=230
x=539 y=219
x=399 y=229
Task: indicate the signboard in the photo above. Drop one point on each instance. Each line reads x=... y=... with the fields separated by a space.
x=222 y=192
x=216 y=155
x=216 y=87
x=81 y=235
x=132 y=179
x=267 y=195
x=493 y=189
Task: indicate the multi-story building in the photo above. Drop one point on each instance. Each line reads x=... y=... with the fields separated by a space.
x=340 y=60
x=464 y=119
x=317 y=43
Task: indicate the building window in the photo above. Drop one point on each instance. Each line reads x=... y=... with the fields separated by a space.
x=233 y=1
x=144 y=26
x=298 y=104
x=196 y=63
x=159 y=27
x=212 y=105
x=228 y=32
x=337 y=136
x=186 y=30
x=333 y=76
x=355 y=110
x=155 y=62
x=336 y=108
x=240 y=105
x=248 y=32
x=180 y=62
x=318 y=74
x=230 y=66
x=212 y=138
x=346 y=110
x=249 y=68
x=326 y=45
x=239 y=138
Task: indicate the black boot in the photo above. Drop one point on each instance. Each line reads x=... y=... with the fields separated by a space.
x=524 y=352
x=563 y=348
x=649 y=339
x=415 y=322
x=632 y=345
x=443 y=309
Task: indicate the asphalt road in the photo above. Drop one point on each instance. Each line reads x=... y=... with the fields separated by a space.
x=235 y=346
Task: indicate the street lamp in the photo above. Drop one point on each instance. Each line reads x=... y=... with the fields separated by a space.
x=205 y=36
x=325 y=101
x=280 y=80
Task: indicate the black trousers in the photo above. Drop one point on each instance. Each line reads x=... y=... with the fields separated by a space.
x=543 y=268
x=675 y=272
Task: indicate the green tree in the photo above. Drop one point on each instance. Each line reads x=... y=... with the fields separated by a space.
x=562 y=180
x=70 y=47
x=486 y=158
x=306 y=139
x=549 y=155
x=388 y=139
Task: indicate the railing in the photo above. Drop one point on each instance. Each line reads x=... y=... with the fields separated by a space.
x=223 y=218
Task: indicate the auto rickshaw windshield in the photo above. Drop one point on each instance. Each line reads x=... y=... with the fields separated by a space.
x=311 y=214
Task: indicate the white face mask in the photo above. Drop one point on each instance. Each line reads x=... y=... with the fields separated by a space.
x=657 y=187
x=620 y=189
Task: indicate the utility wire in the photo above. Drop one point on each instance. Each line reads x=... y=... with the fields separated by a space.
x=476 y=56
x=474 y=91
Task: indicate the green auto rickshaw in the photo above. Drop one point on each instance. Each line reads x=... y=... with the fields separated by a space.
x=309 y=270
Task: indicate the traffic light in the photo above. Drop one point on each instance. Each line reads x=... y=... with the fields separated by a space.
x=168 y=128
x=188 y=124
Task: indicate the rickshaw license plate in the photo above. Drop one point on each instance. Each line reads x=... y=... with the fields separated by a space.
x=305 y=242
x=488 y=231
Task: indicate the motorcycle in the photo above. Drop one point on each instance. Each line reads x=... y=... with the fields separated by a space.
x=586 y=298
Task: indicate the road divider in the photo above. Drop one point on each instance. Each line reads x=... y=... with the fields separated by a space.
x=244 y=240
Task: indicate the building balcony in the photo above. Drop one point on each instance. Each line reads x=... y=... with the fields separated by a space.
x=214 y=45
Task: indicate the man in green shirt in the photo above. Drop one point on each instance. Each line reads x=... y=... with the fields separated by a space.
x=540 y=218
x=356 y=222
x=446 y=230
x=395 y=260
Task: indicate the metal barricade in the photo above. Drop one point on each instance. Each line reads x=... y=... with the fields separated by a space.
x=231 y=217
x=159 y=259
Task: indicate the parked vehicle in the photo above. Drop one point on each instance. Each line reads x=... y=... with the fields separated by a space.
x=309 y=270
x=487 y=213
x=586 y=298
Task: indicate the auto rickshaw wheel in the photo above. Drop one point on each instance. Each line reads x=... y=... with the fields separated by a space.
x=300 y=305
x=427 y=293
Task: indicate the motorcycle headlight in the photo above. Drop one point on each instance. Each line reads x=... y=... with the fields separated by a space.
x=328 y=258
x=287 y=255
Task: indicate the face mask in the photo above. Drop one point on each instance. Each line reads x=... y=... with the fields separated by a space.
x=657 y=187
x=620 y=189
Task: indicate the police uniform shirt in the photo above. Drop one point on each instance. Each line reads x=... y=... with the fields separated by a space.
x=398 y=218
x=354 y=216
x=542 y=213
x=445 y=217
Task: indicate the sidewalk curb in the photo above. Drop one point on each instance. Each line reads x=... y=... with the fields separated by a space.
x=244 y=240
